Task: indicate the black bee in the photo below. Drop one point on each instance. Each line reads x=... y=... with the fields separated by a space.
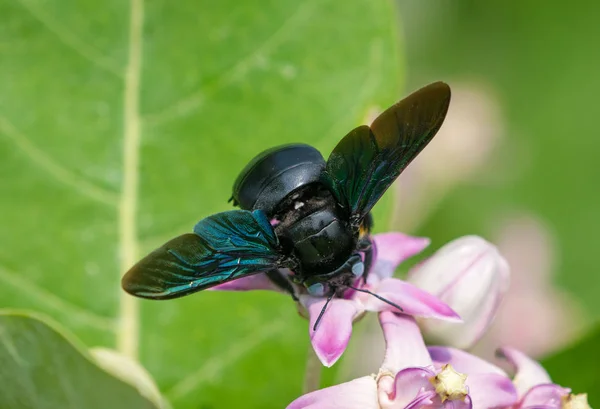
x=299 y=211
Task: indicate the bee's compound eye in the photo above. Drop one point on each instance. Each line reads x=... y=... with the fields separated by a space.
x=316 y=290
x=358 y=269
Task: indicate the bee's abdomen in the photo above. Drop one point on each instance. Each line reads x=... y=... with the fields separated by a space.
x=322 y=241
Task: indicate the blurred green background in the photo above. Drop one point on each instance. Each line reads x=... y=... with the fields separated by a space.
x=122 y=124
x=541 y=63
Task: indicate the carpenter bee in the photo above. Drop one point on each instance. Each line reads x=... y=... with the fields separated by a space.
x=298 y=211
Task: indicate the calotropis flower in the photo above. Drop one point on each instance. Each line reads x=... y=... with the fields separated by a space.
x=530 y=249
x=471 y=276
x=535 y=388
x=335 y=328
x=410 y=379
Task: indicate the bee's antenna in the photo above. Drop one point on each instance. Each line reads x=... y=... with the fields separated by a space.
x=360 y=290
x=323 y=311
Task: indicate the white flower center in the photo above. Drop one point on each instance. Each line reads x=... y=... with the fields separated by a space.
x=450 y=385
x=575 y=401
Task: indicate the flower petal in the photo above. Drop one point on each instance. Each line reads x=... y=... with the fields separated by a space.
x=424 y=400
x=462 y=361
x=412 y=385
x=394 y=248
x=458 y=404
x=471 y=276
x=529 y=373
x=253 y=282
x=360 y=393
x=491 y=390
x=404 y=345
x=413 y=300
x=457 y=256
x=333 y=333
x=547 y=395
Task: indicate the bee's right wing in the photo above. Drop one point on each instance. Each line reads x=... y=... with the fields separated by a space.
x=224 y=247
x=368 y=160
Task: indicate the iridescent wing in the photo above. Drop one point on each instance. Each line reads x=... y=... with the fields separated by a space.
x=366 y=162
x=224 y=247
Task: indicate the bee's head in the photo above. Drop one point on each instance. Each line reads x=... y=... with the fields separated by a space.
x=334 y=284
x=337 y=281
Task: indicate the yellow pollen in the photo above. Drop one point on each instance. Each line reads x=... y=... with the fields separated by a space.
x=575 y=401
x=450 y=385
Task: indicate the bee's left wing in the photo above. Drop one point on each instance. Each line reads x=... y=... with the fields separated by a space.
x=366 y=162
x=224 y=247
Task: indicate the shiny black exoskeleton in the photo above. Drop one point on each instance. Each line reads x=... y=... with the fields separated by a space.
x=299 y=211
x=286 y=183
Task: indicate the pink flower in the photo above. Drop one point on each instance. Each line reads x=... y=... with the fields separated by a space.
x=535 y=388
x=529 y=246
x=410 y=378
x=471 y=276
x=335 y=328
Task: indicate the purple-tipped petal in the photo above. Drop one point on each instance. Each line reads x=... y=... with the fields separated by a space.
x=547 y=395
x=404 y=345
x=471 y=276
x=491 y=390
x=409 y=384
x=394 y=248
x=255 y=282
x=333 y=332
x=413 y=301
x=360 y=393
x=458 y=404
x=462 y=361
x=528 y=373
x=424 y=400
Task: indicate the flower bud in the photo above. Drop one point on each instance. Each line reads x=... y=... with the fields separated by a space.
x=469 y=275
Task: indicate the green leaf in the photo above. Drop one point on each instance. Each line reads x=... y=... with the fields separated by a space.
x=576 y=367
x=123 y=124
x=42 y=369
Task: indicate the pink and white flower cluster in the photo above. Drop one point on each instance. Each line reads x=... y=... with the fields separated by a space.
x=450 y=298
x=471 y=277
x=413 y=376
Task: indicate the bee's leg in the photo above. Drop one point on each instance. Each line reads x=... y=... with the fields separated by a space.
x=367 y=246
x=282 y=282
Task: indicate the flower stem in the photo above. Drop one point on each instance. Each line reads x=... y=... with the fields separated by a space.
x=312 y=376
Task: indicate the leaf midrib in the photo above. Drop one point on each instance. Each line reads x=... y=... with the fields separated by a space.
x=128 y=323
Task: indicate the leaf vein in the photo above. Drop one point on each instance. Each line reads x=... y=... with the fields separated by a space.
x=217 y=364
x=72 y=40
x=364 y=94
x=52 y=167
x=128 y=332
x=187 y=104
x=54 y=302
